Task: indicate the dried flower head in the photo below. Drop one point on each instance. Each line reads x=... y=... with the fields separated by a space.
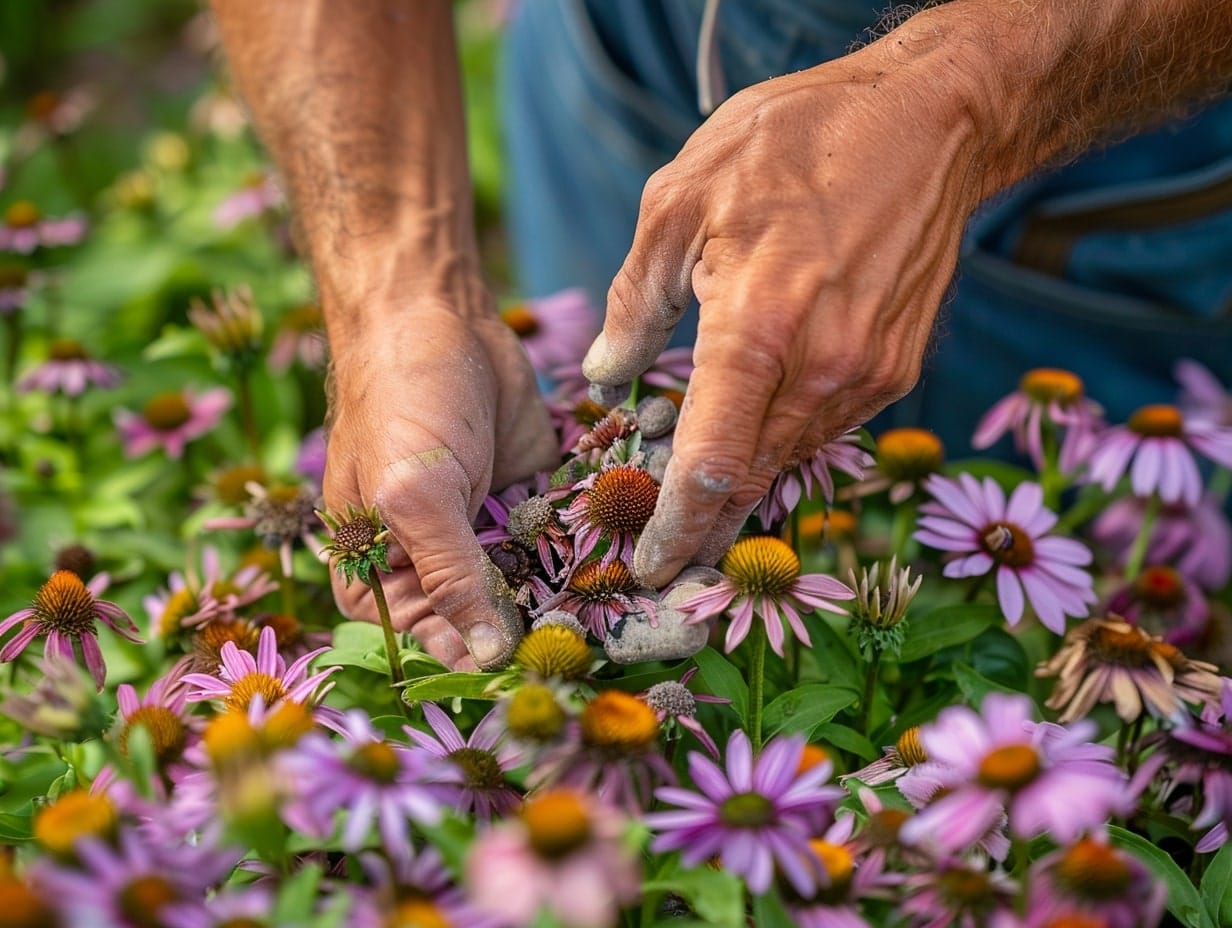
x=360 y=543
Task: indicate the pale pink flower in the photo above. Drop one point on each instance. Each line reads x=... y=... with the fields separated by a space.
x=1196 y=540
x=70 y=370
x=1202 y=394
x=171 y=420
x=1046 y=398
x=555 y=330
x=611 y=507
x=844 y=454
x=260 y=194
x=25 y=228
x=1092 y=882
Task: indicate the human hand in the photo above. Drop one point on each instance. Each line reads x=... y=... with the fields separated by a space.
x=426 y=418
x=817 y=217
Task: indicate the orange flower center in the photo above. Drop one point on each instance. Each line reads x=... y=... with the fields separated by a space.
x=289 y=722
x=598 y=584
x=287 y=628
x=166 y=730
x=231 y=485
x=22 y=215
x=761 y=566
x=909 y=747
x=208 y=641
x=20 y=907
x=248 y=687
x=376 y=760
x=557 y=822
x=1008 y=544
x=1051 y=385
x=1076 y=921
x=837 y=861
x=230 y=737
x=810 y=757
x=1160 y=586
x=521 y=319
x=1158 y=421
x=968 y=889
x=480 y=768
x=1122 y=643
x=143 y=898
x=75 y=814
x=1092 y=870
x=66 y=349
x=622 y=500
x=167 y=411
x=909 y=454
x=619 y=722
x=883 y=827
x=1010 y=767
x=64 y=604
x=417 y=912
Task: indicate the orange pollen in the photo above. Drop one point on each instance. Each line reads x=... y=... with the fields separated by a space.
x=166 y=729
x=254 y=684
x=557 y=822
x=230 y=737
x=20 y=907
x=65 y=605
x=909 y=747
x=417 y=912
x=909 y=454
x=1051 y=385
x=1092 y=870
x=761 y=566
x=75 y=814
x=622 y=500
x=231 y=485
x=619 y=722
x=1158 y=421
x=22 y=215
x=1008 y=544
x=837 y=861
x=67 y=349
x=167 y=411
x=1010 y=767
x=287 y=628
x=522 y=320
x=378 y=761
x=143 y=898
x=1121 y=643
x=208 y=641
x=1161 y=587
x=599 y=584
x=810 y=757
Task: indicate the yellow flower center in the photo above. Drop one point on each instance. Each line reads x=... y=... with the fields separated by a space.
x=208 y=641
x=284 y=726
x=67 y=349
x=254 y=684
x=554 y=651
x=622 y=500
x=167 y=411
x=810 y=757
x=143 y=898
x=761 y=566
x=909 y=454
x=909 y=747
x=1008 y=544
x=839 y=865
x=557 y=822
x=166 y=729
x=1011 y=767
x=20 y=907
x=521 y=319
x=180 y=604
x=1158 y=421
x=1092 y=870
x=746 y=810
x=619 y=722
x=22 y=215
x=1051 y=385
x=1160 y=587
x=230 y=737
x=376 y=760
x=417 y=912
x=64 y=604
x=231 y=484
x=480 y=768
x=534 y=714
x=74 y=815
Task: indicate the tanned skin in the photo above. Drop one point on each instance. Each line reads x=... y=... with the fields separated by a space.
x=831 y=201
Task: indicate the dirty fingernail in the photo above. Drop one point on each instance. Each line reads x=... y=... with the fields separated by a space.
x=592 y=364
x=488 y=644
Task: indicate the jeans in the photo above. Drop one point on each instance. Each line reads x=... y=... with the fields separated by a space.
x=1113 y=267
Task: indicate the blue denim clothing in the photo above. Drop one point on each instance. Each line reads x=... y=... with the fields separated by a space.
x=1113 y=267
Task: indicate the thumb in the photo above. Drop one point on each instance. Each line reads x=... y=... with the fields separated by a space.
x=424 y=503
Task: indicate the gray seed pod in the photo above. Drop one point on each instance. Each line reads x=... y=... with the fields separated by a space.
x=656 y=416
x=609 y=397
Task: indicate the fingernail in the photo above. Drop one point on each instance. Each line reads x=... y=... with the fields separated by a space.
x=592 y=364
x=648 y=558
x=487 y=644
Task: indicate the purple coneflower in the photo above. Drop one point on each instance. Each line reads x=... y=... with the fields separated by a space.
x=530 y=521
x=905 y=753
x=416 y=893
x=194 y=599
x=1196 y=540
x=259 y=194
x=847 y=876
x=300 y=337
x=1046 y=399
x=1157 y=448
x=676 y=705
x=904 y=458
x=754 y=816
x=1048 y=778
x=555 y=330
x=227 y=908
x=65 y=611
x=1091 y=882
x=1165 y=601
x=280 y=514
x=70 y=370
x=762 y=578
x=161 y=712
x=483 y=759
x=957 y=893
x=972 y=519
x=25 y=228
x=600 y=595
x=843 y=454
x=613 y=506
x=371 y=780
x=1202 y=395
x=14 y=288
x=170 y=420
x=564 y=854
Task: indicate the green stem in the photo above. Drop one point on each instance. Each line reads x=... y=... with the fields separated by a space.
x=1220 y=484
x=286 y=594
x=1122 y=747
x=757 y=683
x=248 y=415
x=974 y=589
x=392 y=650
x=1138 y=552
x=900 y=529
x=870 y=693
x=12 y=348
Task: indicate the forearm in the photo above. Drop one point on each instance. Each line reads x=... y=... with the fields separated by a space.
x=360 y=105
x=1045 y=79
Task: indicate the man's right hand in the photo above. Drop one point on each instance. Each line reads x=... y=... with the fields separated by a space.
x=430 y=411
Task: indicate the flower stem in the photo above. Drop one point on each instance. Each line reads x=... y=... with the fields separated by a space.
x=387 y=627
x=12 y=348
x=248 y=413
x=757 y=682
x=870 y=692
x=1220 y=484
x=1138 y=552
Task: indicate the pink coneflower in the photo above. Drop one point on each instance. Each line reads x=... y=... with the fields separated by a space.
x=65 y=611
x=484 y=759
x=755 y=815
x=1157 y=448
x=904 y=459
x=972 y=519
x=1165 y=601
x=193 y=598
x=162 y=712
x=226 y=908
x=281 y=514
x=1202 y=394
x=70 y=370
x=14 y=288
x=415 y=893
x=844 y=454
x=1048 y=778
x=371 y=780
x=1094 y=881
x=762 y=578
x=1047 y=399
x=613 y=506
x=905 y=753
x=960 y=894
x=171 y=420
x=300 y=337
x=243 y=677
x=564 y=854
x=600 y=596
x=676 y=705
x=25 y=228
x=847 y=877
x=259 y=194
x=530 y=520
x=555 y=330
x=1196 y=540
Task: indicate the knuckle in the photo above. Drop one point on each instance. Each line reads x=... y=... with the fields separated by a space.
x=712 y=475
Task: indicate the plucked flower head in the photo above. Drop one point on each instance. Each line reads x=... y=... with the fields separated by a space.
x=600 y=594
x=972 y=519
x=1048 y=400
x=170 y=420
x=762 y=578
x=359 y=545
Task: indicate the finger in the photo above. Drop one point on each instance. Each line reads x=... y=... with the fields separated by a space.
x=652 y=289
x=424 y=501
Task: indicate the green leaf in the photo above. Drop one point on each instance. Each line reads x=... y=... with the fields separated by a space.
x=723 y=679
x=999 y=656
x=945 y=627
x=716 y=896
x=846 y=738
x=1183 y=899
x=451 y=686
x=801 y=710
x=768 y=912
x=833 y=658
x=298 y=896
x=1216 y=886
x=974 y=685
x=357 y=644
